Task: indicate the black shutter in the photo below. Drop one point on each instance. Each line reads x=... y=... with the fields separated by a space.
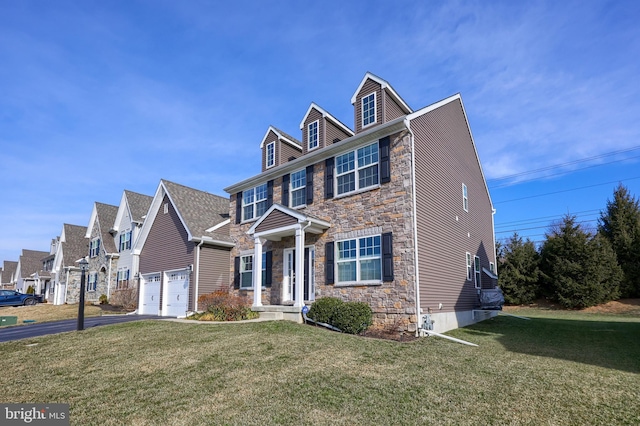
x=285 y=190
x=236 y=272
x=239 y=207
x=387 y=257
x=269 y=269
x=385 y=162
x=328 y=178
x=309 y=188
x=269 y=193
x=329 y=266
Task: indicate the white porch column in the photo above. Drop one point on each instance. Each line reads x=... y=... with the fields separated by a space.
x=299 y=276
x=257 y=272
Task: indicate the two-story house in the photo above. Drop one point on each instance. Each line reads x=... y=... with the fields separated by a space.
x=66 y=275
x=29 y=263
x=129 y=219
x=395 y=213
x=102 y=254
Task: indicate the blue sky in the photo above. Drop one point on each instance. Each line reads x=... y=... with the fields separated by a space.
x=101 y=96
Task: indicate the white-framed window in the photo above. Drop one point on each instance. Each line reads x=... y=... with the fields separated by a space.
x=360 y=260
x=246 y=271
x=492 y=267
x=125 y=241
x=92 y=282
x=271 y=154
x=94 y=247
x=165 y=208
x=469 y=274
x=123 y=279
x=476 y=268
x=298 y=188
x=465 y=198
x=357 y=169
x=369 y=109
x=312 y=135
x=254 y=202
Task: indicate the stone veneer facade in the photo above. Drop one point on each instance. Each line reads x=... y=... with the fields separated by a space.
x=387 y=208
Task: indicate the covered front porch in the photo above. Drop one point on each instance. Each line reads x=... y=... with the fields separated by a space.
x=285 y=230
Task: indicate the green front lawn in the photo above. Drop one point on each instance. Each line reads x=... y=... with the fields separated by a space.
x=550 y=370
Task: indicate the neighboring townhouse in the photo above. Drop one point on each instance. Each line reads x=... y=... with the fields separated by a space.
x=8 y=274
x=29 y=263
x=183 y=249
x=43 y=277
x=396 y=214
x=132 y=210
x=102 y=254
x=66 y=275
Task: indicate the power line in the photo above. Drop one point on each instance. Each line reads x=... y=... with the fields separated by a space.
x=568 y=163
x=533 y=220
x=540 y=227
x=565 y=190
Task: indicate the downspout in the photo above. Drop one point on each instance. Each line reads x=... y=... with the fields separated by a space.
x=195 y=298
x=66 y=287
x=407 y=123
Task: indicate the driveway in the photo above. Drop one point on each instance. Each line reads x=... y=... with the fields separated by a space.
x=35 y=330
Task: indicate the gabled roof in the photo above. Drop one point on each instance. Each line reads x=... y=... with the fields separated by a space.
x=105 y=215
x=200 y=212
x=137 y=206
x=283 y=137
x=31 y=261
x=9 y=271
x=385 y=85
x=313 y=224
x=328 y=117
x=74 y=243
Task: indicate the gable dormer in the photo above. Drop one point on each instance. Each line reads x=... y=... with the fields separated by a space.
x=320 y=129
x=375 y=102
x=278 y=148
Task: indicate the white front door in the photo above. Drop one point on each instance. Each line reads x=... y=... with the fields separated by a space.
x=288 y=282
x=150 y=295
x=177 y=294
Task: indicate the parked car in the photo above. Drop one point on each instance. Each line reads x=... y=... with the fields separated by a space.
x=15 y=298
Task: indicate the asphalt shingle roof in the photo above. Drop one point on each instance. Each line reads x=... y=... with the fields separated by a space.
x=138 y=204
x=31 y=261
x=106 y=218
x=75 y=245
x=9 y=270
x=199 y=209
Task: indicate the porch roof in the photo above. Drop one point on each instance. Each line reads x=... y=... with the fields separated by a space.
x=280 y=221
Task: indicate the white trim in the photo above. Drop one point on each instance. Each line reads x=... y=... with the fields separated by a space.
x=465 y=198
x=415 y=226
x=301 y=188
x=327 y=116
x=92 y=220
x=266 y=155
x=477 y=272
x=375 y=110
x=218 y=226
x=355 y=171
x=468 y=261
x=317 y=123
x=383 y=85
x=281 y=137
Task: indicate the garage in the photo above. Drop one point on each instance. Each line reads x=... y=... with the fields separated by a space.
x=150 y=294
x=176 y=294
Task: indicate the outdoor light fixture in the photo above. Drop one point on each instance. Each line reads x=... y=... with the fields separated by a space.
x=83 y=267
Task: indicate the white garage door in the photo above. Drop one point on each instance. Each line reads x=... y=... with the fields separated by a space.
x=150 y=295
x=177 y=294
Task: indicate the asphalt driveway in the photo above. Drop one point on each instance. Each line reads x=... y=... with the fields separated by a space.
x=42 y=329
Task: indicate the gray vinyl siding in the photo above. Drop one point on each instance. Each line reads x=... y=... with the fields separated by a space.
x=214 y=270
x=313 y=115
x=333 y=132
x=285 y=151
x=391 y=109
x=166 y=247
x=367 y=88
x=445 y=159
x=276 y=220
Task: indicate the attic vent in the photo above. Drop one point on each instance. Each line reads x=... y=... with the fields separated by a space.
x=336 y=140
x=291 y=158
x=166 y=208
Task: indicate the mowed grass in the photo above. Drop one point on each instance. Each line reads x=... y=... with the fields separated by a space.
x=550 y=370
x=44 y=312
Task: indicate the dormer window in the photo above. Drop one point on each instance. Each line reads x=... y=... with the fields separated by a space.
x=94 y=248
x=369 y=109
x=271 y=154
x=312 y=135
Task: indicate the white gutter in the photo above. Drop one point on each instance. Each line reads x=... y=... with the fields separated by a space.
x=407 y=124
x=195 y=298
x=210 y=240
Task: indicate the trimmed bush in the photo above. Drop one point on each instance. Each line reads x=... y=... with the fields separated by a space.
x=353 y=317
x=324 y=309
x=103 y=299
x=30 y=290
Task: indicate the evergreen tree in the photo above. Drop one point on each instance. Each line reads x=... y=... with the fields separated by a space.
x=579 y=269
x=519 y=273
x=620 y=224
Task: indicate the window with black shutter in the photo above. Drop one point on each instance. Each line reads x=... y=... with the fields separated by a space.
x=309 y=187
x=285 y=190
x=328 y=178
x=385 y=162
x=329 y=266
x=387 y=257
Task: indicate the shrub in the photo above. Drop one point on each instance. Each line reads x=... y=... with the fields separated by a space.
x=324 y=309
x=353 y=317
x=103 y=299
x=222 y=306
x=30 y=290
x=126 y=298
